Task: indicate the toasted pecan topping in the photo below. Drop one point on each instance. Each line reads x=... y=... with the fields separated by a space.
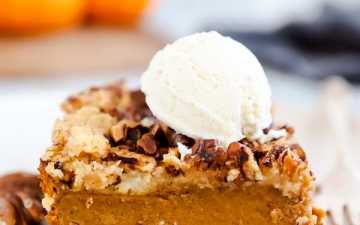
x=266 y=161
x=20 y=199
x=133 y=141
x=233 y=149
x=119 y=131
x=138 y=107
x=148 y=143
x=133 y=135
x=201 y=145
x=208 y=154
x=163 y=134
x=180 y=138
x=236 y=152
x=155 y=129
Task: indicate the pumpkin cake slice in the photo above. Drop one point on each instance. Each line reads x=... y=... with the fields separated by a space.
x=197 y=148
x=112 y=162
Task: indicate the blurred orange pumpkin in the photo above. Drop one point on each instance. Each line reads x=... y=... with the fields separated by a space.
x=31 y=16
x=123 y=12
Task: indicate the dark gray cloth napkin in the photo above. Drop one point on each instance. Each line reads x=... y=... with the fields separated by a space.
x=330 y=45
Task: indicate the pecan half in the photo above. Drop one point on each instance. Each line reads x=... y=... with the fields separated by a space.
x=20 y=199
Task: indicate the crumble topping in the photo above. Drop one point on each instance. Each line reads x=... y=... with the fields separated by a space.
x=135 y=182
x=109 y=140
x=84 y=131
x=94 y=175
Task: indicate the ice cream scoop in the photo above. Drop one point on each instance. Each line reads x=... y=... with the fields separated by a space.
x=209 y=86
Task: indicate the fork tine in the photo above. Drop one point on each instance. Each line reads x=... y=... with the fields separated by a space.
x=330 y=218
x=347 y=215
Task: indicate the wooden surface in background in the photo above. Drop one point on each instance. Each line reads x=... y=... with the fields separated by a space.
x=83 y=50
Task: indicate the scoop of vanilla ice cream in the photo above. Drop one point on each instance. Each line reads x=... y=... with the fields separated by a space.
x=209 y=86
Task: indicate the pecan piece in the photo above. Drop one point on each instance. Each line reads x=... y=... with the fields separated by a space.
x=123 y=129
x=148 y=143
x=118 y=131
x=237 y=152
x=201 y=145
x=180 y=138
x=155 y=129
x=20 y=199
